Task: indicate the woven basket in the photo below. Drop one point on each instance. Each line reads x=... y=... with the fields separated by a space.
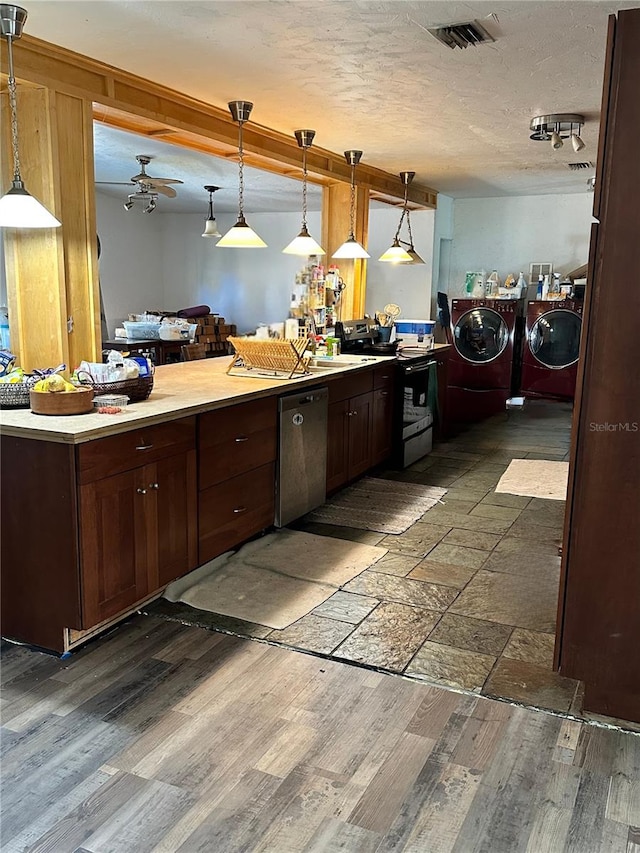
x=15 y=395
x=136 y=390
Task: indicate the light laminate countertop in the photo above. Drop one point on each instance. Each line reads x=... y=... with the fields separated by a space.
x=179 y=390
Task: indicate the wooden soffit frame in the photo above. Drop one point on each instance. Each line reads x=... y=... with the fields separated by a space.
x=129 y=102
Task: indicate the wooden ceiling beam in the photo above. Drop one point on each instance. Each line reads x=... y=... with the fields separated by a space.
x=125 y=100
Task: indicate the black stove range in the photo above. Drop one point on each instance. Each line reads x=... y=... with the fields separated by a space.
x=415 y=407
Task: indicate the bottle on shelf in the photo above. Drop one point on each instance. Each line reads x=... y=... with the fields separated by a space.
x=493 y=284
x=545 y=287
x=521 y=286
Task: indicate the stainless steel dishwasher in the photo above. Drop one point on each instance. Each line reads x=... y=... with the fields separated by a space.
x=302 y=454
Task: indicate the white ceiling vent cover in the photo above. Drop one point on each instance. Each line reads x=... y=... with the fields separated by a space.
x=462 y=35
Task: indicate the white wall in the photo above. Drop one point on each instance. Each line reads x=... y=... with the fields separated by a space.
x=406 y=285
x=245 y=286
x=508 y=234
x=131 y=274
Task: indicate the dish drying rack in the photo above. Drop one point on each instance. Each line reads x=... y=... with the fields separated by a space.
x=270 y=357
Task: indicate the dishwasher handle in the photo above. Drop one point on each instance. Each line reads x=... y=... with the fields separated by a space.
x=295 y=401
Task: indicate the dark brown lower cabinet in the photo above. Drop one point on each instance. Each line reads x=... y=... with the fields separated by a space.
x=80 y=547
x=349 y=439
x=360 y=428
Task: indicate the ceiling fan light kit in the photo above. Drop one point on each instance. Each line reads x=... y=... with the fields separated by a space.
x=18 y=208
x=304 y=244
x=556 y=127
x=241 y=235
x=351 y=248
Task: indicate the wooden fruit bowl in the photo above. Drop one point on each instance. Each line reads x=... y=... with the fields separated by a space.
x=61 y=402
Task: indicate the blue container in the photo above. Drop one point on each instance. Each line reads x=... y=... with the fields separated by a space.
x=415 y=327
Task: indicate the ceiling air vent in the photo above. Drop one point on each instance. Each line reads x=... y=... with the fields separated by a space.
x=575 y=167
x=462 y=35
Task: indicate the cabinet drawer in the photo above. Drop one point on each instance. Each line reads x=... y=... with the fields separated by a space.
x=350 y=386
x=232 y=511
x=105 y=456
x=236 y=440
x=384 y=376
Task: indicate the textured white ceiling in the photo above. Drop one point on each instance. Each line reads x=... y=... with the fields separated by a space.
x=366 y=74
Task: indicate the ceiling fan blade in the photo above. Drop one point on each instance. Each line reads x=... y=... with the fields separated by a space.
x=117 y=183
x=168 y=191
x=151 y=180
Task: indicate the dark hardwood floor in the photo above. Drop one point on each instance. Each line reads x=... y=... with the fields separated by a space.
x=163 y=737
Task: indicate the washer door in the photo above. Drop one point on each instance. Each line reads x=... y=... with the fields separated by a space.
x=554 y=339
x=480 y=335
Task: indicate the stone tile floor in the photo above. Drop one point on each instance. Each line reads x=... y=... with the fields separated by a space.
x=467 y=596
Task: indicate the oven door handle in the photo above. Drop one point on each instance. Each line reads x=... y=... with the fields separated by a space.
x=421 y=368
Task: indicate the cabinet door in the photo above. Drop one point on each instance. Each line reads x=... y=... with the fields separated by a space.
x=338 y=445
x=359 y=418
x=173 y=523
x=381 y=425
x=113 y=542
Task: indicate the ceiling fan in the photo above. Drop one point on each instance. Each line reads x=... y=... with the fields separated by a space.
x=149 y=187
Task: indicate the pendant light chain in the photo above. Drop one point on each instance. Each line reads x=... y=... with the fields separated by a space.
x=404 y=212
x=14 y=113
x=352 y=215
x=241 y=172
x=304 y=188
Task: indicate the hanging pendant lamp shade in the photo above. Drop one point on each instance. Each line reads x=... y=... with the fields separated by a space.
x=395 y=254
x=304 y=244
x=351 y=248
x=210 y=224
x=18 y=209
x=241 y=235
x=401 y=251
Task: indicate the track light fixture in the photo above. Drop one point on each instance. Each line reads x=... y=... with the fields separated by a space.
x=304 y=244
x=241 y=236
x=556 y=127
x=351 y=248
x=128 y=205
x=210 y=224
x=18 y=208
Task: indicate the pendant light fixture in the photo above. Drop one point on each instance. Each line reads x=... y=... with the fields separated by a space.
x=401 y=251
x=241 y=236
x=351 y=248
x=210 y=224
x=304 y=244
x=18 y=209
x=406 y=178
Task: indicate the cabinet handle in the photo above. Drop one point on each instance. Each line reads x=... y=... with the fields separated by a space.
x=349 y=414
x=155 y=486
x=141 y=491
x=384 y=393
x=144 y=447
x=240 y=509
x=241 y=438
x=354 y=412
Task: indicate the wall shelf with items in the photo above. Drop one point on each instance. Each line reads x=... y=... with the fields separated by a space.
x=314 y=295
